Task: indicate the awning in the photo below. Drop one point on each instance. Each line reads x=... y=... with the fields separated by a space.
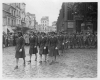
x=7 y=29
x=10 y=30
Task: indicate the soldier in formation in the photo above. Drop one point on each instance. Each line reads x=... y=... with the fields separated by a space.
x=51 y=44
x=33 y=46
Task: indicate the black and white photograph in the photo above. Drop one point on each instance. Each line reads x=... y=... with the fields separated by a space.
x=49 y=39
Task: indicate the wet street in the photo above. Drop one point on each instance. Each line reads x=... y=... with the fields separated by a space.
x=74 y=63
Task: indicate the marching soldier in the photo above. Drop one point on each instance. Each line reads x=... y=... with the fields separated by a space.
x=89 y=40
x=20 y=51
x=66 y=41
x=77 y=38
x=74 y=40
x=43 y=47
x=81 y=40
x=86 y=43
x=53 y=46
x=84 y=40
x=61 y=43
x=71 y=41
x=45 y=50
x=33 y=46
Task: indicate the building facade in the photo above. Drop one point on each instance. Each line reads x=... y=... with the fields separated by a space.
x=65 y=21
x=54 y=26
x=23 y=14
x=45 y=23
x=16 y=15
x=69 y=22
x=9 y=16
x=30 y=20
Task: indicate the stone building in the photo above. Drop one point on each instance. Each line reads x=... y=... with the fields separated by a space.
x=65 y=21
x=45 y=23
x=23 y=14
x=30 y=20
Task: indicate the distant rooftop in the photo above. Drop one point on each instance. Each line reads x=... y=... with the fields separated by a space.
x=45 y=18
x=30 y=14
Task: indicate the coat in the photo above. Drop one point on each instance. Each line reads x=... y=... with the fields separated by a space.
x=26 y=37
x=20 y=45
x=43 y=46
x=53 y=45
x=33 y=45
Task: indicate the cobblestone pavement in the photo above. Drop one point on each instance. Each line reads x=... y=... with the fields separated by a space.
x=74 y=63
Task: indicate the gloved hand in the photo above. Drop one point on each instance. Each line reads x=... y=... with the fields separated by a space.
x=20 y=50
x=56 y=48
x=44 y=47
x=62 y=43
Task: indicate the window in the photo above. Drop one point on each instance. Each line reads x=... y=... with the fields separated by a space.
x=12 y=22
x=19 y=21
x=19 y=13
x=70 y=15
x=8 y=21
x=10 y=10
x=19 y=4
x=15 y=22
x=16 y=4
x=14 y=13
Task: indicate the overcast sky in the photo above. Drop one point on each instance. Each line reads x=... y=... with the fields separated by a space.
x=42 y=8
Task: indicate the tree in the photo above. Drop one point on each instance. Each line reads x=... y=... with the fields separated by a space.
x=87 y=9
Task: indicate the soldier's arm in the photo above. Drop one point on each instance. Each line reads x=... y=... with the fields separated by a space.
x=23 y=43
x=36 y=41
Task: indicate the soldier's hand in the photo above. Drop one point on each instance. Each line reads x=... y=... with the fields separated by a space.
x=56 y=48
x=20 y=50
x=44 y=47
x=62 y=43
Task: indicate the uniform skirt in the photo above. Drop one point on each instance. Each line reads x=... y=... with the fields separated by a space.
x=33 y=50
x=19 y=54
x=53 y=51
x=45 y=51
x=41 y=49
x=61 y=46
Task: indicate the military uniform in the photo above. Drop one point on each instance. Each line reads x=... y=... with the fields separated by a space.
x=33 y=45
x=20 y=45
x=45 y=42
x=53 y=45
x=84 y=41
x=71 y=41
x=66 y=42
x=43 y=47
x=74 y=41
x=61 y=43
